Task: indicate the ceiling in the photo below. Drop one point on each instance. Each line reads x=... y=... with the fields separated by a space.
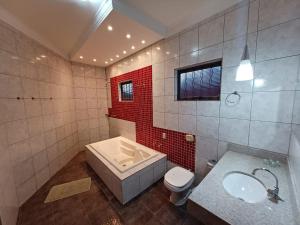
x=75 y=28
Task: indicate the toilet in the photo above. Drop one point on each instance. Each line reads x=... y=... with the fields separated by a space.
x=179 y=181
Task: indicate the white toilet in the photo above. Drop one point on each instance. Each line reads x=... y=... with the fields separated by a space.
x=179 y=181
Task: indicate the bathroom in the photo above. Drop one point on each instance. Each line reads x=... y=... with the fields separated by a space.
x=150 y=112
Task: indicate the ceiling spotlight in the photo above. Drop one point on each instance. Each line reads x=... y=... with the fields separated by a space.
x=124 y=52
x=158 y=48
x=38 y=58
x=111 y=59
x=94 y=60
x=43 y=56
x=128 y=36
x=148 y=53
x=81 y=57
x=110 y=28
x=143 y=42
x=132 y=47
x=106 y=62
x=117 y=56
x=167 y=52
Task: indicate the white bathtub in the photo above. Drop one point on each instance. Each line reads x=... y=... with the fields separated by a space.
x=126 y=167
x=123 y=153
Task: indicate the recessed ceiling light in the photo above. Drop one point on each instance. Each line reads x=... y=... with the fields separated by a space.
x=94 y=60
x=106 y=62
x=158 y=48
x=110 y=28
x=167 y=52
x=128 y=36
x=148 y=53
x=43 y=56
x=132 y=47
x=117 y=56
x=38 y=58
x=81 y=57
x=124 y=52
x=131 y=60
x=111 y=59
x=143 y=42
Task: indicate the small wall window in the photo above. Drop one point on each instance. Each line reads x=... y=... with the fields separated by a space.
x=200 y=82
x=126 y=91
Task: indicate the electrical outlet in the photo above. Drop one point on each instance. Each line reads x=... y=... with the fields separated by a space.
x=189 y=138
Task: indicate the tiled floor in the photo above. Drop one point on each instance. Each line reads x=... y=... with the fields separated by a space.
x=98 y=206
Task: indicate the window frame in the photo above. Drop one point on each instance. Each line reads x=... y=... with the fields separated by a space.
x=120 y=91
x=201 y=66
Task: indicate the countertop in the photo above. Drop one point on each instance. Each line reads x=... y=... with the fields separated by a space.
x=211 y=195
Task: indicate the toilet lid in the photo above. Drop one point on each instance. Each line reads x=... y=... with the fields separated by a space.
x=178 y=176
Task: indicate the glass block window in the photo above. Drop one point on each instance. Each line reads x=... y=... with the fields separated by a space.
x=126 y=91
x=200 y=82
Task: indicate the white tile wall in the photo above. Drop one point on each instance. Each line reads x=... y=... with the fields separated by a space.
x=267 y=105
x=270 y=136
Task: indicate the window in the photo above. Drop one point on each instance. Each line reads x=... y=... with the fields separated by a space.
x=126 y=91
x=200 y=82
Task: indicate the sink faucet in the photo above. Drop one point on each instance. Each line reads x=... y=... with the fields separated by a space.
x=273 y=194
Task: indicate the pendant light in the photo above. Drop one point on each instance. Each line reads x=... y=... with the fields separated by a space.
x=245 y=69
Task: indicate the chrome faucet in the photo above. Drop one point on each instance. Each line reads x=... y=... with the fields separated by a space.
x=273 y=194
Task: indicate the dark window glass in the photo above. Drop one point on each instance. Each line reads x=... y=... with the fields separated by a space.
x=126 y=91
x=201 y=82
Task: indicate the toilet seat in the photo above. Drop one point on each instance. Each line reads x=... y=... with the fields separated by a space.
x=178 y=179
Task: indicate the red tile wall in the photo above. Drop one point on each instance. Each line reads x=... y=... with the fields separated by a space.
x=140 y=111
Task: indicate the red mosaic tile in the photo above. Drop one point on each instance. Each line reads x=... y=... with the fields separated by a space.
x=140 y=111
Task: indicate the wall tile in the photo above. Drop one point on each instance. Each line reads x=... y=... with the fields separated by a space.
x=158 y=104
x=188 y=59
x=170 y=66
x=210 y=53
x=158 y=87
x=296 y=110
x=158 y=71
x=273 y=106
x=270 y=136
x=279 y=41
x=11 y=109
x=20 y=151
x=171 y=47
x=25 y=191
x=240 y=111
x=17 y=131
x=40 y=161
x=171 y=121
x=188 y=107
x=207 y=127
x=187 y=123
x=23 y=171
x=35 y=126
x=275 y=12
x=158 y=119
x=234 y=130
x=276 y=75
x=189 y=41
x=170 y=86
x=233 y=50
x=208 y=108
x=10 y=87
x=236 y=23
x=37 y=144
x=229 y=84
x=171 y=105
x=211 y=33
x=207 y=148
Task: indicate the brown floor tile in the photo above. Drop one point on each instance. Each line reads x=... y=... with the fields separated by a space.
x=98 y=206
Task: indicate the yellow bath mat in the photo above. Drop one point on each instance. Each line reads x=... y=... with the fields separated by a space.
x=68 y=189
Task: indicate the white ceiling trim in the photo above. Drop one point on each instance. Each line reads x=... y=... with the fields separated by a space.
x=103 y=11
x=133 y=13
x=13 y=21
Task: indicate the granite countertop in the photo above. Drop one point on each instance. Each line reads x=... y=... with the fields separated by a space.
x=211 y=195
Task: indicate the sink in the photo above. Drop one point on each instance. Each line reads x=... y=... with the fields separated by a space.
x=244 y=186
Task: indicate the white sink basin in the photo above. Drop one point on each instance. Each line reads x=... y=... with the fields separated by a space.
x=244 y=186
